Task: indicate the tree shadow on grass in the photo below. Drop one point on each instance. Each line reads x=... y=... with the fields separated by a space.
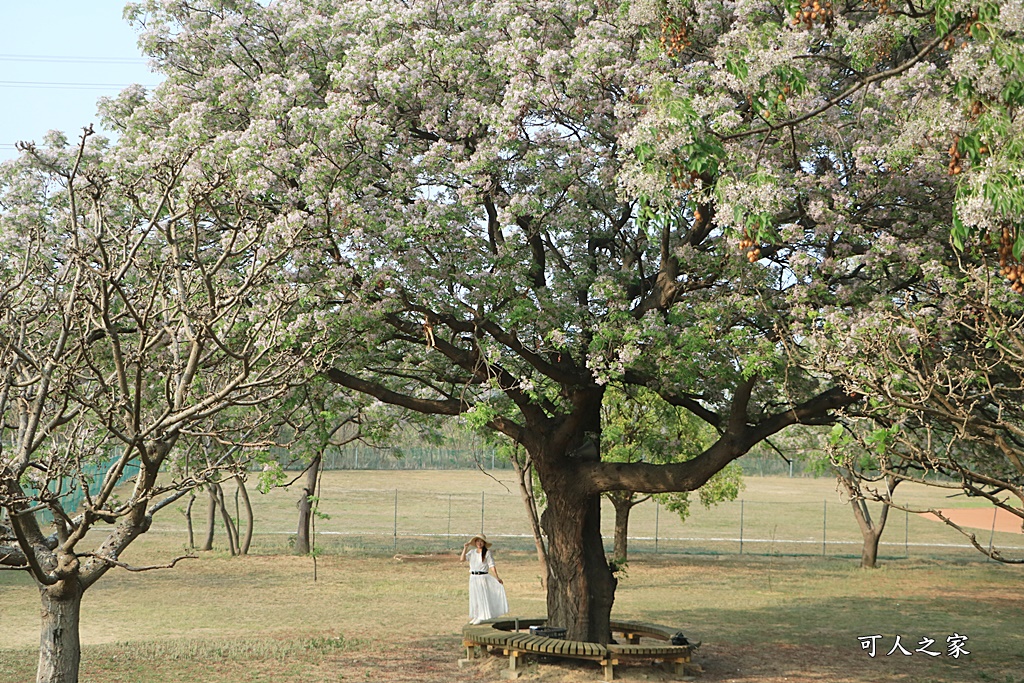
x=802 y=639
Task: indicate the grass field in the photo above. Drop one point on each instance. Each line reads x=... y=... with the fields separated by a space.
x=370 y=617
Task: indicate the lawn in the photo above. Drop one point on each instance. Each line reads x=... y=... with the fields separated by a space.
x=369 y=616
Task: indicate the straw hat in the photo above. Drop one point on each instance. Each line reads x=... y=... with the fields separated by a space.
x=482 y=538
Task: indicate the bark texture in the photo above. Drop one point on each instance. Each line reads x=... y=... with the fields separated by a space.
x=188 y=520
x=60 y=649
x=229 y=525
x=211 y=517
x=581 y=587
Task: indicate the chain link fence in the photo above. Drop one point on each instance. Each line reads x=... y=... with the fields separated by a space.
x=406 y=522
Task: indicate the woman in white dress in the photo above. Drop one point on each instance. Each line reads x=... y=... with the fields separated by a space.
x=486 y=590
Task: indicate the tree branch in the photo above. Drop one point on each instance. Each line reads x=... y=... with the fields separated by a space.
x=420 y=405
x=115 y=563
x=881 y=76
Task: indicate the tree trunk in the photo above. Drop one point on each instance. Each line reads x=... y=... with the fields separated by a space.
x=60 y=650
x=188 y=521
x=305 y=505
x=211 y=517
x=246 y=540
x=869 y=553
x=870 y=530
x=581 y=587
x=622 y=501
x=229 y=526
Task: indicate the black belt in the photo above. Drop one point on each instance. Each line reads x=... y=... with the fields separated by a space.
x=479 y=572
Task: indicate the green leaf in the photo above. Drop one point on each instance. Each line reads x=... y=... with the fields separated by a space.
x=1018 y=245
x=837 y=435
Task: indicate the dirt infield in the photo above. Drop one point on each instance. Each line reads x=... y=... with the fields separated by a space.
x=980 y=518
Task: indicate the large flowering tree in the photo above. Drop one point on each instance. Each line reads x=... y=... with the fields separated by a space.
x=519 y=202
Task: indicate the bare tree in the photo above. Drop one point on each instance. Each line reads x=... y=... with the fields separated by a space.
x=319 y=418
x=136 y=303
x=946 y=380
x=521 y=463
x=233 y=459
x=860 y=487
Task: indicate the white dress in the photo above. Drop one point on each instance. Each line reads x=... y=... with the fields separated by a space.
x=486 y=596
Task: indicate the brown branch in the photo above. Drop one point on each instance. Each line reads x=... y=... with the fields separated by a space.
x=817 y=410
x=420 y=405
x=13 y=558
x=472 y=363
x=690 y=475
x=993 y=554
x=740 y=403
x=512 y=342
x=687 y=401
x=27 y=548
x=880 y=76
x=115 y=563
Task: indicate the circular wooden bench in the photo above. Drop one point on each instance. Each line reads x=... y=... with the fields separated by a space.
x=507 y=634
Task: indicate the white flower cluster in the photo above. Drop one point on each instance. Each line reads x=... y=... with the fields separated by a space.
x=1011 y=16
x=976 y=211
x=761 y=194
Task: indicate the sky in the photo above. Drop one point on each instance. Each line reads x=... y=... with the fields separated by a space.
x=57 y=58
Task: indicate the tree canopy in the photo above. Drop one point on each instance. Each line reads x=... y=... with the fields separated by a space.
x=517 y=203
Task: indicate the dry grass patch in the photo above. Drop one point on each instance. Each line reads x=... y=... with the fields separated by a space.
x=371 y=617
x=228 y=620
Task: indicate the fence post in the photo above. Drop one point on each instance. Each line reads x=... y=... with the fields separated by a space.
x=824 y=525
x=449 y=547
x=991 y=536
x=657 y=507
x=906 y=533
x=482 y=512
x=395 y=528
x=741 y=526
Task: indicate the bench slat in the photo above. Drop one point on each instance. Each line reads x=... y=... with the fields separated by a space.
x=650 y=650
x=498 y=633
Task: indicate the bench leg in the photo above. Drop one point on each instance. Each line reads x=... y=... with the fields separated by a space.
x=609 y=668
x=680 y=667
x=513 y=661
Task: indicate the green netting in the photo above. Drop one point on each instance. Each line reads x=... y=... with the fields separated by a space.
x=71 y=493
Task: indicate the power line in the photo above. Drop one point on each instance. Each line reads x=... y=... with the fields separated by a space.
x=69 y=59
x=67 y=86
